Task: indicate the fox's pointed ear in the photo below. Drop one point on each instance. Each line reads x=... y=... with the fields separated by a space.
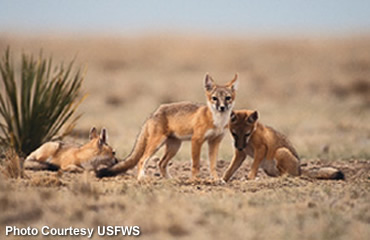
x=208 y=83
x=93 y=133
x=232 y=116
x=233 y=84
x=103 y=137
x=253 y=117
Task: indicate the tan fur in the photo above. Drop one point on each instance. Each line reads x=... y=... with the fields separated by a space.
x=173 y=123
x=271 y=150
x=324 y=173
x=70 y=157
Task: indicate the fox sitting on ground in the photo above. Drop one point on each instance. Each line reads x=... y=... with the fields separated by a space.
x=271 y=150
x=173 y=123
x=59 y=155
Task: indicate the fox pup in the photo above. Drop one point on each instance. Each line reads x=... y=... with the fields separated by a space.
x=173 y=123
x=59 y=155
x=271 y=150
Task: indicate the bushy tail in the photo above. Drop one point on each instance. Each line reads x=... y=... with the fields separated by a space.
x=130 y=161
x=325 y=173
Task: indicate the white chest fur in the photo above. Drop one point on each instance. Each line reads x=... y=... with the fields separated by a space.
x=220 y=121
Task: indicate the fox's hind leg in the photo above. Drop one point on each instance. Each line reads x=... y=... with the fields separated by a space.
x=44 y=152
x=172 y=147
x=153 y=144
x=41 y=158
x=270 y=166
x=287 y=162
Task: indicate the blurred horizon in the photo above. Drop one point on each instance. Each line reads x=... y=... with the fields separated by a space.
x=200 y=17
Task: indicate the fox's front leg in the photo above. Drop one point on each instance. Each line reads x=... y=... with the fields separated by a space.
x=259 y=155
x=237 y=160
x=196 y=146
x=213 y=146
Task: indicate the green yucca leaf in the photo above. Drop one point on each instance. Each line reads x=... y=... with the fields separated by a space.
x=34 y=108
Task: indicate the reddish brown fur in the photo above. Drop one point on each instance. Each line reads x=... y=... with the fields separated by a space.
x=271 y=150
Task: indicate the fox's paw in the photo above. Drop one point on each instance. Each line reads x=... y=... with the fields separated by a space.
x=251 y=176
x=221 y=181
x=196 y=179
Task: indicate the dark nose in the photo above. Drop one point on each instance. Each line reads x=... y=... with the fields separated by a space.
x=222 y=108
x=239 y=148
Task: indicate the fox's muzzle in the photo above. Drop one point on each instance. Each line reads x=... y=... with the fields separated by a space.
x=239 y=146
x=239 y=142
x=239 y=149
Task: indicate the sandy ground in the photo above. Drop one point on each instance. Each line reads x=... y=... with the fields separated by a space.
x=314 y=90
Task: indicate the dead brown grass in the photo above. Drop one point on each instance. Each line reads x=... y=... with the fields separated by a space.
x=279 y=208
x=314 y=90
x=12 y=165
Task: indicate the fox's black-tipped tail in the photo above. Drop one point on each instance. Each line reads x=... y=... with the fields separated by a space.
x=104 y=172
x=324 y=173
x=334 y=175
x=340 y=176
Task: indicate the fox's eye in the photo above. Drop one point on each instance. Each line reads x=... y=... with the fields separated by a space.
x=227 y=98
x=214 y=99
x=247 y=134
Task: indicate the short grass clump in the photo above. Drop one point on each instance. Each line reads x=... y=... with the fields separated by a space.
x=12 y=166
x=36 y=102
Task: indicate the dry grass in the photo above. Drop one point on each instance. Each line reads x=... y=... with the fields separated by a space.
x=316 y=91
x=12 y=165
x=279 y=208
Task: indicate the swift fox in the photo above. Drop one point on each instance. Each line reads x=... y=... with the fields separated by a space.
x=173 y=123
x=59 y=155
x=271 y=150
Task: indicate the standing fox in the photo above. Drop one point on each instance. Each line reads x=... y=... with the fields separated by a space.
x=59 y=155
x=271 y=150
x=173 y=123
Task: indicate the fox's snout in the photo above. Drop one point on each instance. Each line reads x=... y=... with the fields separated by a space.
x=221 y=105
x=240 y=145
x=239 y=148
x=221 y=108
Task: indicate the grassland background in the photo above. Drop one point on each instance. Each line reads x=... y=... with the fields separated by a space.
x=315 y=90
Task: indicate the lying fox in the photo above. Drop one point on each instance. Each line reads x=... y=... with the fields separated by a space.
x=59 y=155
x=173 y=123
x=271 y=150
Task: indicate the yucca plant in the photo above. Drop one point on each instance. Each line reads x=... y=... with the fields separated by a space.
x=36 y=103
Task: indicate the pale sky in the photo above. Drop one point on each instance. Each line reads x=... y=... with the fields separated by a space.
x=217 y=16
